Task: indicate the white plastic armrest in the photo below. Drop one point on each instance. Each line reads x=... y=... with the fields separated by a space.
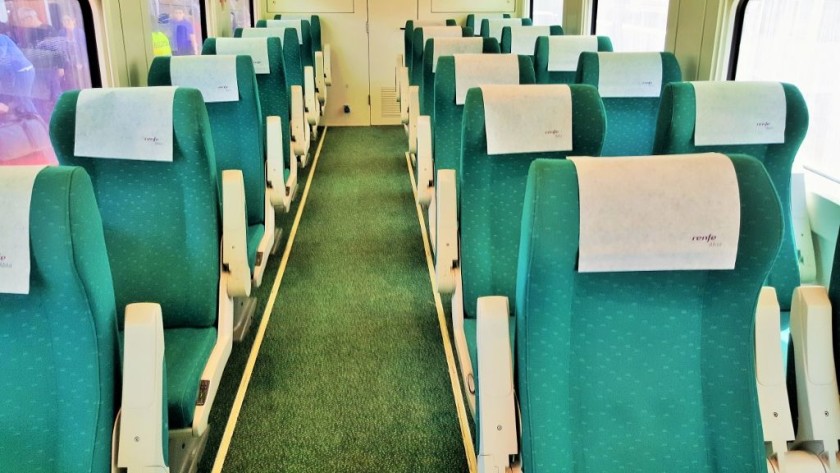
x=425 y=161
x=280 y=191
x=320 y=80
x=446 y=248
x=234 y=247
x=413 y=114
x=461 y=348
x=397 y=88
x=310 y=99
x=816 y=381
x=802 y=228
x=327 y=64
x=497 y=409
x=402 y=91
x=141 y=441
x=300 y=142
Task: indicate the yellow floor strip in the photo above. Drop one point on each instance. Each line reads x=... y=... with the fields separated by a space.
x=454 y=379
x=224 y=446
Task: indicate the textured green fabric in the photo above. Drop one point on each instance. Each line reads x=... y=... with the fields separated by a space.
x=187 y=351
x=307 y=50
x=638 y=371
x=541 y=56
x=446 y=129
x=427 y=84
x=418 y=45
x=507 y=39
x=675 y=134
x=238 y=132
x=254 y=234
x=471 y=21
x=631 y=121
x=274 y=92
x=58 y=345
x=292 y=65
x=408 y=48
x=484 y=28
x=314 y=29
x=161 y=222
x=834 y=297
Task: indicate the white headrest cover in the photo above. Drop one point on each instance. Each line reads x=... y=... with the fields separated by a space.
x=125 y=123
x=16 y=184
x=422 y=23
x=497 y=24
x=658 y=213
x=287 y=23
x=629 y=74
x=453 y=46
x=441 y=32
x=264 y=33
x=214 y=76
x=523 y=39
x=479 y=17
x=564 y=51
x=739 y=113
x=527 y=118
x=257 y=48
x=473 y=70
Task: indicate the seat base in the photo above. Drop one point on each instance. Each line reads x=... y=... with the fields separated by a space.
x=278 y=234
x=185 y=450
x=243 y=313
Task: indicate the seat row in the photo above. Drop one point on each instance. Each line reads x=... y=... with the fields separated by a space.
x=127 y=271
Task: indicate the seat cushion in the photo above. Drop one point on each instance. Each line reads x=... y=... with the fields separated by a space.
x=254 y=235
x=187 y=351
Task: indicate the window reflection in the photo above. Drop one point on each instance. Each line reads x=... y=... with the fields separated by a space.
x=178 y=31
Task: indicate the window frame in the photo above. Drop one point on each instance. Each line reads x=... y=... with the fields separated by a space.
x=594 y=23
x=737 y=34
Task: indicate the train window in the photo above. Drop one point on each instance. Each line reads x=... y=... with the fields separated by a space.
x=547 y=12
x=797 y=42
x=43 y=52
x=240 y=13
x=177 y=27
x=633 y=25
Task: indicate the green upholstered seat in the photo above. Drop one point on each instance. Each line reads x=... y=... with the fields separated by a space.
x=477 y=28
x=162 y=229
x=418 y=45
x=307 y=50
x=543 y=53
x=507 y=39
x=637 y=371
x=238 y=133
x=675 y=134
x=631 y=121
x=292 y=63
x=58 y=344
x=484 y=27
x=427 y=85
x=314 y=29
x=408 y=39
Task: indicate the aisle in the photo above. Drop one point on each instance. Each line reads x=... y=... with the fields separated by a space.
x=351 y=375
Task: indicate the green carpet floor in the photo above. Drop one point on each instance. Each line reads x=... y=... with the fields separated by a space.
x=351 y=375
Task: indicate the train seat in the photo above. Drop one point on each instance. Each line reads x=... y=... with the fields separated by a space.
x=314 y=27
x=602 y=382
x=320 y=53
x=731 y=108
x=281 y=166
x=474 y=20
x=492 y=27
x=418 y=45
x=439 y=47
x=505 y=128
x=304 y=36
x=523 y=39
x=556 y=57
x=408 y=37
x=631 y=86
x=159 y=195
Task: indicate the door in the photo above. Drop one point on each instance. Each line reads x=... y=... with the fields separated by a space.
x=386 y=18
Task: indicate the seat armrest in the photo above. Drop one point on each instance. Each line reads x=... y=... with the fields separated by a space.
x=425 y=161
x=413 y=115
x=460 y=340
x=141 y=441
x=310 y=99
x=298 y=125
x=496 y=408
x=446 y=248
x=320 y=81
x=280 y=190
x=234 y=246
x=402 y=91
x=327 y=64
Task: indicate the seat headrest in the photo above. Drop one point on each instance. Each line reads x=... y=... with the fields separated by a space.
x=125 y=123
x=527 y=118
x=452 y=46
x=658 y=213
x=496 y=25
x=264 y=33
x=738 y=113
x=441 y=32
x=523 y=39
x=16 y=183
x=257 y=48
x=213 y=75
x=564 y=51
x=473 y=70
x=287 y=23
x=479 y=17
x=629 y=74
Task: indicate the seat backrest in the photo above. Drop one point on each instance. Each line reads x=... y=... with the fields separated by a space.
x=474 y=20
x=631 y=112
x=293 y=66
x=675 y=133
x=491 y=189
x=613 y=366
x=451 y=46
x=273 y=90
x=523 y=39
x=418 y=45
x=307 y=50
x=446 y=128
x=556 y=57
x=238 y=129
x=408 y=38
x=314 y=28
x=492 y=27
x=160 y=219
x=59 y=346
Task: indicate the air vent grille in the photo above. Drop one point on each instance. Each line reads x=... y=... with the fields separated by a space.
x=389 y=105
